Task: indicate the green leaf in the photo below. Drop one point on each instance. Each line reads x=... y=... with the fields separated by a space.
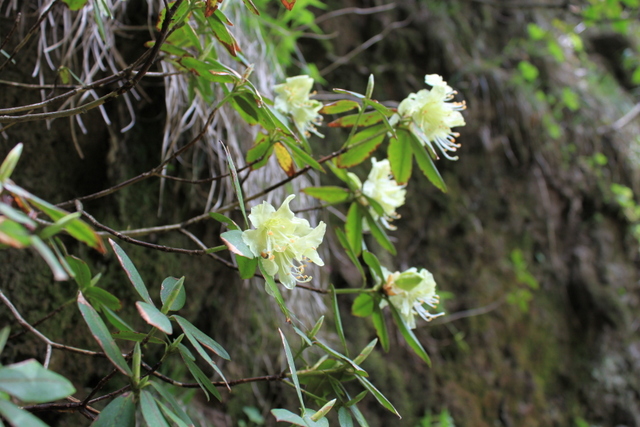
x=101 y=334
x=136 y=337
x=536 y=32
x=205 y=383
x=260 y=152
x=379 y=396
x=401 y=159
x=353 y=228
x=75 y=4
x=344 y=418
x=4 y=335
x=222 y=33
x=380 y=325
x=378 y=233
x=175 y=406
x=172 y=294
x=103 y=298
x=243 y=104
x=330 y=194
x=409 y=336
x=252 y=7
x=342 y=238
x=348 y=92
x=49 y=258
x=272 y=289
x=171 y=415
x=361 y=145
x=529 y=71
x=424 y=160
x=236 y=184
x=247 y=266
x=235 y=243
x=115 y=320
x=10 y=162
x=292 y=367
x=29 y=381
x=17 y=417
x=338 y=319
x=82 y=274
x=363 y=305
x=231 y=225
x=358 y=370
x=367 y=119
x=120 y=412
x=53 y=229
x=154 y=317
x=374 y=265
x=210 y=70
x=287 y=416
x=301 y=156
x=339 y=106
x=358 y=416
x=150 y=411
x=365 y=352
x=16 y=215
x=323 y=411
x=132 y=272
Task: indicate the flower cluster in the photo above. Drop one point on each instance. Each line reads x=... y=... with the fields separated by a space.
x=381 y=187
x=293 y=99
x=432 y=115
x=409 y=292
x=283 y=242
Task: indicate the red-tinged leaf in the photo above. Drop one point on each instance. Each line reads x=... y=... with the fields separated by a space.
x=102 y=336
x=284 y=159
x=154 y=317
x=235 y=243
x=339 y=106
x=401 y=159
x=367 y=119
x=288 y=4
x=361 y=146
x=221 y=32
x=210 y=8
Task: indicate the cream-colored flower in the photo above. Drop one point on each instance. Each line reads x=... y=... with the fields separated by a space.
x=411 y=292
x=433 y=115
x=381 y=187
x=293 y=99
x=283 y=242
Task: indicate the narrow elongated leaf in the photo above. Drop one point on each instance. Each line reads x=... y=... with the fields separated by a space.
x=175 y=406
x=29 y=381
x=172 y=294
x=235 y=243
x=202 y=338
x=49 y=258
x=286 y=416
x=401 y=159
x=409 y=336
x=272 y=289
x=353 y=228
x=150 y=411
x=365 y=352
x=381 y=326
x=231 y=225
x=103 y=298
x=292 y=367
x=372 y=261
x=4 y=335
x=342 y=238
x=222 y=33
x=75 y=4
x=359 y=371
x=82 y=274
x=121 y=412
x=323 y=411
x=339 y=106
x=236 y=184
x=131 y=271
x=170 y=415
x=252 y=7
x=136 y=337
x=259 y=154
x=115 y=320
x=16 y=215
x=59 y=225
x=18 y=417
x=329 y=194
x=358 y=416
x=379 y=396
x=378 y=233
x=154 y=317
x=205 y=383
x=284 y=159
x=348 y=92
x=425 y=162
x=101 y=334
x=10 y=162
x=338 y=319
x=300 y=155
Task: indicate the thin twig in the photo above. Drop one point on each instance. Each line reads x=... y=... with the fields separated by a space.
x=13 y=29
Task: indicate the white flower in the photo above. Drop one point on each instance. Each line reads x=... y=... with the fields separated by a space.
x=293 y=98
x=283 y=242
x=433 y=115
x=381 y=187
x=409 y=292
